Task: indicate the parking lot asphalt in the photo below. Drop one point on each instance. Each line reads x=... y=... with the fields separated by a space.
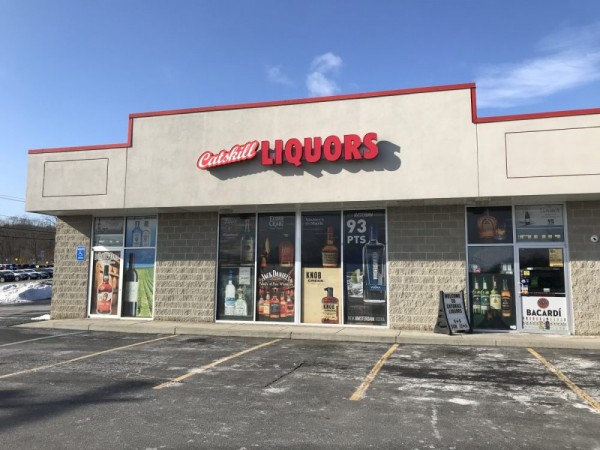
x=326 y=333
x=70 y=389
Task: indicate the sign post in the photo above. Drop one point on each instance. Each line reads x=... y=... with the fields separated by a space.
x=452 y=315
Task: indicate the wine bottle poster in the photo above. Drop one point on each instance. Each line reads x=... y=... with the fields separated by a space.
x=235 y=291
x=236 y=240
x=104 y=299
x=315 y=282
x=365 y=268
x=140 y=232
x=139 y=268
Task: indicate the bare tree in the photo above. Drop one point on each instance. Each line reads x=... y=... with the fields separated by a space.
x=25 y=240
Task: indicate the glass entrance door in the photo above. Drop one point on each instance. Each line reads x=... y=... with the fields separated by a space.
x=543 y=299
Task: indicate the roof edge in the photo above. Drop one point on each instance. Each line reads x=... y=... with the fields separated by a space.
x=300 y=101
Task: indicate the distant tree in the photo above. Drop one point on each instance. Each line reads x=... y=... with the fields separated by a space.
x=26 y=240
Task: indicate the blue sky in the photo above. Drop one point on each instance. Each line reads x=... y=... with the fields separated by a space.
x=71 y=71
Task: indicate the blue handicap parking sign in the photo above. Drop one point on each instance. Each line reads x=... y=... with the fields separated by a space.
x=80 y=253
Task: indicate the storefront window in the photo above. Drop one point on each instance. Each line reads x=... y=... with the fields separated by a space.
x=136 y=280
x=342 y=263
x=108 y=231
x=321 y=268
x=491 y=268
x=104 y=298
x=365 y=268
x=276 y=261
x=235 y=284
x=539 y=223
x=491 y=278
x=491 y=225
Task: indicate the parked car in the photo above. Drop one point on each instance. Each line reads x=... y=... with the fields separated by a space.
x=6 y=275
x=42 y=274
x=33 y=275
x=21 y=275
x=48 y=271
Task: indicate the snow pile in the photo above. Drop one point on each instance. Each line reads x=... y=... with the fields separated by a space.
x=42 y=317
x=25 y=292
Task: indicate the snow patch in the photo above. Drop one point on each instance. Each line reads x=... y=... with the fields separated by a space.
x=25 y=292
x=43 y=317
x=462 y=401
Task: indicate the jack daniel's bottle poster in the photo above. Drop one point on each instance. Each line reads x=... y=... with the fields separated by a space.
x=365 y=267
x=276 y=240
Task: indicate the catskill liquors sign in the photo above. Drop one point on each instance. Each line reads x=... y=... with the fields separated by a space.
x=295 y=151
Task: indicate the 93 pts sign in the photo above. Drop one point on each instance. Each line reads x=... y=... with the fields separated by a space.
x=356 y=231
x=295 y=151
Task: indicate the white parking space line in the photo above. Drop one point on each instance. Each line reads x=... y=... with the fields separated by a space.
x=213 y=364
x=40 y=338
x=80 y=358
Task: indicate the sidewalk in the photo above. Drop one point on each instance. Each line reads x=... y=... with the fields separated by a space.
x=323 y=333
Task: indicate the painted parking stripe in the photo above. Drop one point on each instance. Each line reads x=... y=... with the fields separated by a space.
x=213 y=364
x=80 y=358
x=40 y=338
x=358 y=394
x=562 y=377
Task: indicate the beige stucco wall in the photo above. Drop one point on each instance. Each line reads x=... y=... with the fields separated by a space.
x=76 y=182
x=550 y=156
x=427 y=149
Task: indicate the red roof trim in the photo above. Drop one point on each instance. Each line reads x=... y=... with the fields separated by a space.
x=89 y=147
x=450 y=87
x=544 y=115
x=301 y=101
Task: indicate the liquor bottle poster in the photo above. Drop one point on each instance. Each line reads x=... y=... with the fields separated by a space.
x=315 y=282
x=491 y=225
x=235 y=293
x=140 y=232
x=104 y=298
x=275 y=277
x=321 y=233
x=138 y=282
x=236 y=240
x=365 y=268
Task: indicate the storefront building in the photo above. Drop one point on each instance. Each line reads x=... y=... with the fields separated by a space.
x=355 y=210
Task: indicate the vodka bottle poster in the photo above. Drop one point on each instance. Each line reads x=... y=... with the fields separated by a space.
x=365 y=267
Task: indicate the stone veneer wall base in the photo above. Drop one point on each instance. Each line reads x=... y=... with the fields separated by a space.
x=426 y=254
x=186 y=256
x=583 y=221
x=70 y=282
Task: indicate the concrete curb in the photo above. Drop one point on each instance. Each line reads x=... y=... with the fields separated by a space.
x=325 y=333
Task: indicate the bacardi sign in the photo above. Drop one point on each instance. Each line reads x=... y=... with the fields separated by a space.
x=295 y=151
